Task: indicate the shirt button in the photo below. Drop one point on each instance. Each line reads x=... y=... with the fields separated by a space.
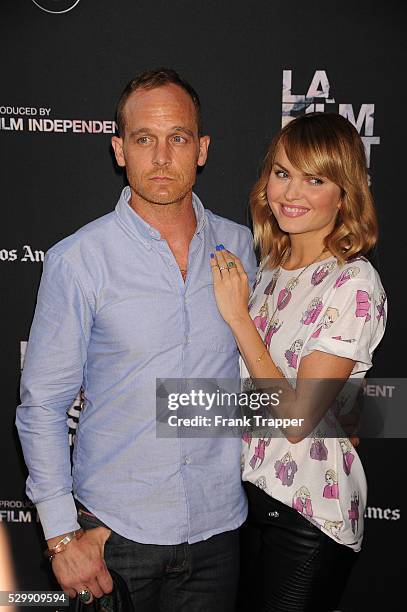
x=187 y=460
x=274 y=514
x=187 y=340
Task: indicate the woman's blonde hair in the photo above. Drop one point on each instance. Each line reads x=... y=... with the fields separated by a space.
x=303 y=491
x=332 y=474
x=327 y=145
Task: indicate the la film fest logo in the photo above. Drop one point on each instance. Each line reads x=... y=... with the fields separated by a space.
x=56 y=6
x=318 y=98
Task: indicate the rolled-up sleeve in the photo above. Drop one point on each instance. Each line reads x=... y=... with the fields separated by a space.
x=52 y=376
x=349 y=327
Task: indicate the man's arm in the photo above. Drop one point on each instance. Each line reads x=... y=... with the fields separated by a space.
x=52 y=376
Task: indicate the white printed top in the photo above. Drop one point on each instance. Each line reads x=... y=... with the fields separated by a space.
x=336 y=310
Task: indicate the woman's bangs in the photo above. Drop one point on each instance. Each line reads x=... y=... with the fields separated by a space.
x=310 y=154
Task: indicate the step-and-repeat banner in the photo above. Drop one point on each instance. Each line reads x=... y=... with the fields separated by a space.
x=255 y=65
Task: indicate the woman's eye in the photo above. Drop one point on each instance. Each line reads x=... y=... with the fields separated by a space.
x=315 y=181
x=281 y=173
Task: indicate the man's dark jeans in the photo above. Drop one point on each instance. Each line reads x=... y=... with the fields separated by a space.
x=199 y=577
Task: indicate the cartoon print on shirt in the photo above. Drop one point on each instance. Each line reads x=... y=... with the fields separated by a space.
x=312 y=313
x=326 y=463
x=322 y=272
x=353 y=512
x=272 y=329
x=346 y=275
x=330 y=316
x=333 y=527
x=268 y=290
x=381 y=312
x=242 y=462
x=292 y=353
x=302 y=501
x=253 y=296
x=363 y=305
x=252 y=301
x=285 y=294
x=259 y=452
x=257 y=280
x=331 y=489
x=286 y=469
x=348 y=456
x=318 y=450
x=261 y=320
x=272 y=284
x=247 y=437
x=261 y=483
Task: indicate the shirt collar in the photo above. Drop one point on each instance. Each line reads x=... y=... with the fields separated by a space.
x=146 y=232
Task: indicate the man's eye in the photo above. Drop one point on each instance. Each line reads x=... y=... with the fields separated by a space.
x=143 y=140
x=178 y=138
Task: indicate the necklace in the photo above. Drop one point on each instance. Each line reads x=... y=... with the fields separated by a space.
x=283 y=298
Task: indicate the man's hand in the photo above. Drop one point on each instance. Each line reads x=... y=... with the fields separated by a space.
x=81 y=565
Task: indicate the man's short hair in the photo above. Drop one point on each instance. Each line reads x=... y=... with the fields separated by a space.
x=150 y=79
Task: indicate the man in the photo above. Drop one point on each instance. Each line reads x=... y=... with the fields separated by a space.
x=125 y=300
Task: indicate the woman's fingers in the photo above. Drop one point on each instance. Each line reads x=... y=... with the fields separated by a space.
x=230 y=285
x=228 y=265
x=216 y=275
x=230 y=259
x=222 y=264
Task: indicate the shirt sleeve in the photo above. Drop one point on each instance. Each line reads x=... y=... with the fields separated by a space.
x=51 y=378
x=248 y=258
x=351 y=324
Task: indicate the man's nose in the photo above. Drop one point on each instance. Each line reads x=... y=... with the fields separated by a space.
x=162 y=154
x=293 y=190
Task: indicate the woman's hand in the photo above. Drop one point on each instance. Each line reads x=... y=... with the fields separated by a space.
x=230 y=285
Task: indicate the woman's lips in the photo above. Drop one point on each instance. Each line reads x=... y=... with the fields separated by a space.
x=293 y=211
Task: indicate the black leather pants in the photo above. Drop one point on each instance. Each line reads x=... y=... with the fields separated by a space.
x=288 y=564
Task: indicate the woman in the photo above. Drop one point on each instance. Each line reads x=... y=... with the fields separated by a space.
x=317 y=312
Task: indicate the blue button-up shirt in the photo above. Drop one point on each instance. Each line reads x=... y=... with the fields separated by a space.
x=113 y=314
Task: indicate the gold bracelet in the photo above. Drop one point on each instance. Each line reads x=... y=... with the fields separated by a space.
x=263 y=354
x=62 y=544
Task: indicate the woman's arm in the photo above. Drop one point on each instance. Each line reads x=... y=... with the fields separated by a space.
x=321 y=376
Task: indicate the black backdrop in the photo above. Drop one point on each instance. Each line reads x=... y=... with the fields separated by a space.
x=346 y=56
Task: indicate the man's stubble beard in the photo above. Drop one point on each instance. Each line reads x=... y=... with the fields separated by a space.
x=164 y=200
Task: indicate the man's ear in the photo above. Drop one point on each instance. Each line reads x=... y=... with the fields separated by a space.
x=203 y=150
x=117 y=144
